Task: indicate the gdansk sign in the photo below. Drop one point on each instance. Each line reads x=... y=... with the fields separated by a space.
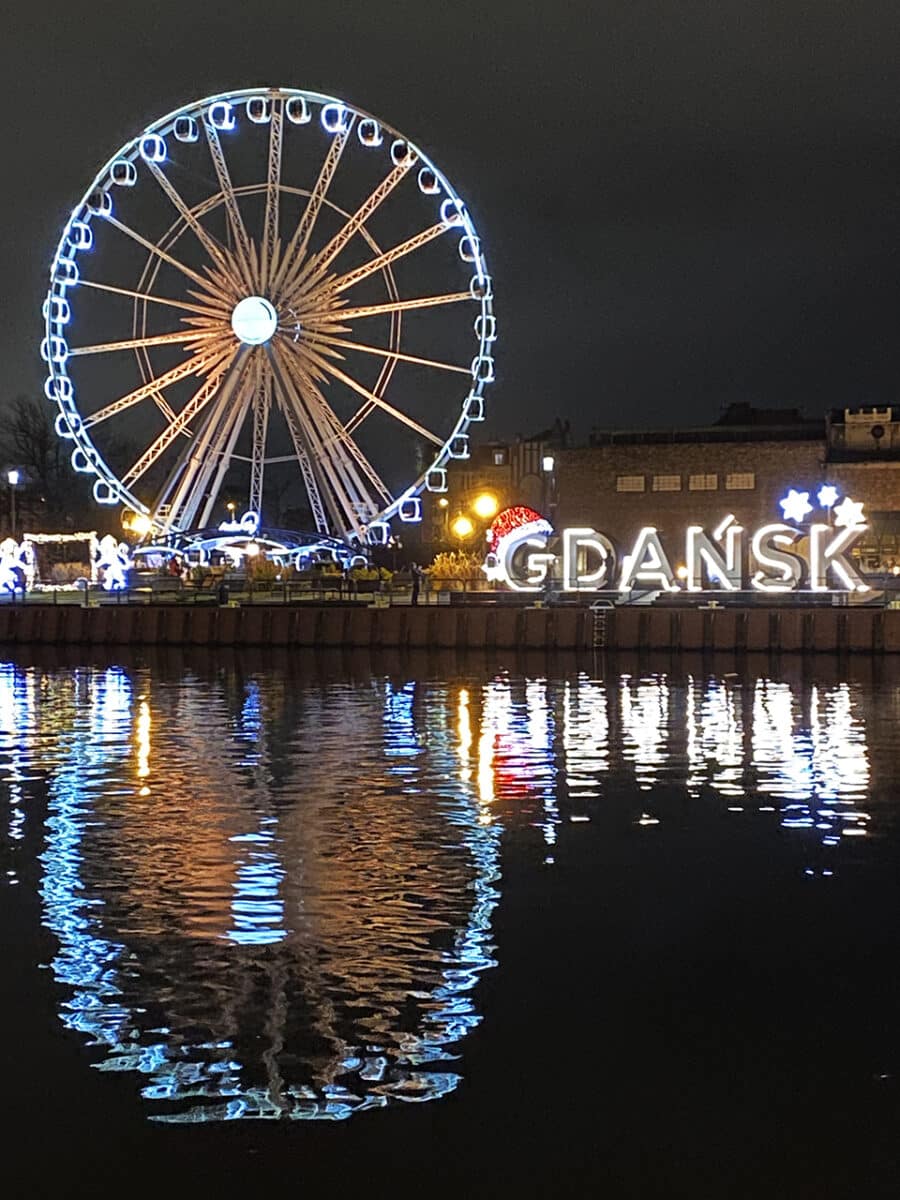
x=774 y=558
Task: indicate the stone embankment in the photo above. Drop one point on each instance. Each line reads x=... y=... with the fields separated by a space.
x=457 y=627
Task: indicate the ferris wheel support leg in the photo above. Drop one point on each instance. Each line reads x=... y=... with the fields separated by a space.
x=343 y=515
x=232 y=428
x=319 y=515
x=352 y=494
x=348 y=455
x=181 y=484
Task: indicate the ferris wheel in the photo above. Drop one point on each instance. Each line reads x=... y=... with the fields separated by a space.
x=269 y=292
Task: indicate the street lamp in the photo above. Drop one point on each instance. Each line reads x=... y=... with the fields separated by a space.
x=141 y=524
x=462 y=528
x=12 y=478
x=485 y=506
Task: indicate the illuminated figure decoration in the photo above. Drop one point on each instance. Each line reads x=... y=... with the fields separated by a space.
x=16 y=565
x=112 y=564
x=248 y=523
x=326 y=311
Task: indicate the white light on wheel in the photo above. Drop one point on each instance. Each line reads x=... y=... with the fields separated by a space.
x=254 y=320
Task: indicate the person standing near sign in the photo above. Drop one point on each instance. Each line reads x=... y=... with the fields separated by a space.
x=416 y=572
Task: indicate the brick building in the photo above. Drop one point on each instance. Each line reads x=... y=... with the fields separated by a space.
x=743 y=464
x=513 y=472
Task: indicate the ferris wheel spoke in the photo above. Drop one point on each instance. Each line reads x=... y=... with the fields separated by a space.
x=354 y=459
x=315 y=266
x=196 y=365
x=212 y=247
x=331 y=369
x=180 y=337
x=179 y=423
x=200 y=309
x=341 y=282
x=382 y=352
x=296 y=247
x=235 y=220
x=273 y=182
x=377 y=310
x=158 y=251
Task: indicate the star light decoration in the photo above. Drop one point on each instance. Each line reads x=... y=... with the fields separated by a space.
x=828 y=495
x=849 y=513
x=795 y=505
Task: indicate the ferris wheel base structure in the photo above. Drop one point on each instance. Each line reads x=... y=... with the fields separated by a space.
x=298 y=287
x=284 y=546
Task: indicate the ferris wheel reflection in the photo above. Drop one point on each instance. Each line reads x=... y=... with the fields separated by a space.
x=275 y=900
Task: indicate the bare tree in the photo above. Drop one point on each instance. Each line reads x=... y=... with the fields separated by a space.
x=29 y=443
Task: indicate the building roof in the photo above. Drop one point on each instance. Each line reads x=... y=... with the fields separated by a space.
x=738 y=423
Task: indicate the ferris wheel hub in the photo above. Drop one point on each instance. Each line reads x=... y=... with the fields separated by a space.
x=254 y=320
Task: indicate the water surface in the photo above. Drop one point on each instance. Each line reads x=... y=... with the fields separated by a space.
x=629 y=922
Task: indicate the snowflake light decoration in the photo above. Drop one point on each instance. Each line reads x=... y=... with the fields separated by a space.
x=795 y=505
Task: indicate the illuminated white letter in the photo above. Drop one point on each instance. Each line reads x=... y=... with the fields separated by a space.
x=647 y=564
x=833 y=555
x=784 y=569
x=701 y=550
x=590 y=542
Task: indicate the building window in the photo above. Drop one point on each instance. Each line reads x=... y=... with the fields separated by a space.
x=740 y=481
x=666 y=483
x=629 y=483
x=499 y=458
x=703 y=483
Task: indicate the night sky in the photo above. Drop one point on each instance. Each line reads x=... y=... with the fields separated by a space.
x=683 y=205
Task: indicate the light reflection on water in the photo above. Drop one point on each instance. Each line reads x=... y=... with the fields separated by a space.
x=273 y=896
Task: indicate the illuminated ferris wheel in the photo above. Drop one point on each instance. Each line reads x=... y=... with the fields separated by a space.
x=269 y=292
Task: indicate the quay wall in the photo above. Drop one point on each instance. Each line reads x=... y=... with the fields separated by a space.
x=782 y=629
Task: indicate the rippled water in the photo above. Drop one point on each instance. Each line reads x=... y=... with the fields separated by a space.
x=273 y=891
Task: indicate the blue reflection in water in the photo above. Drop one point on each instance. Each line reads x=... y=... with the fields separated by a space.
x=276 y=902
x=207 y=1078
x=87 y=959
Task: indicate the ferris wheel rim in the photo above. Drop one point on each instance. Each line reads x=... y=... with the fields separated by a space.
x=455 y=445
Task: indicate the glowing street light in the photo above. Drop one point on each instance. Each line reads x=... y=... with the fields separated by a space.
x=485 y=506
x=140 y=524
x=548 y=462
x=462 y=527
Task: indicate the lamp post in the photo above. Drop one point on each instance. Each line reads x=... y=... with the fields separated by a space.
x=548 y=465
x=12 y=478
